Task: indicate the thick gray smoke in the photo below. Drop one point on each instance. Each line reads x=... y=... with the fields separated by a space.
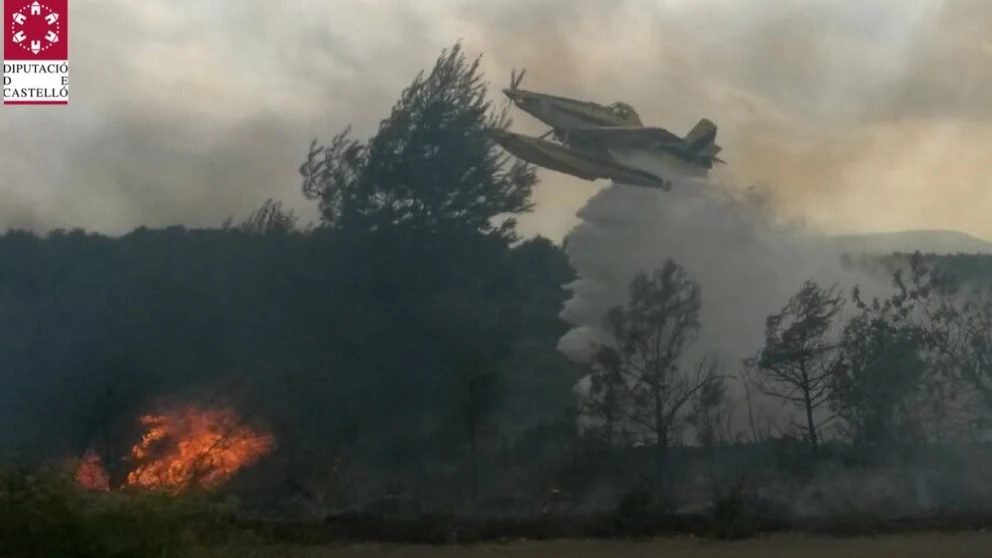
x=747 y=264
x=861 y=116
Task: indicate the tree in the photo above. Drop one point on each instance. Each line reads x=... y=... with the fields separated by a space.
x=607 y=397
x=954 y=322
x=882 y=366
x=479 y=407
x=797 y=361
x=431 y=166
x=712 y=414
x=423 y=214
x=538 y=380
x=638 y=374
x=426 y=211
x=270 y=218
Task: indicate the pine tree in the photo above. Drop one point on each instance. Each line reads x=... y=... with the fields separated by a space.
x=431 y=166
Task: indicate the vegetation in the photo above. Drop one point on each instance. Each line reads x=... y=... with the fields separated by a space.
x=638 y=387
x=796 y=363
x=46 y=514
x=402 y=352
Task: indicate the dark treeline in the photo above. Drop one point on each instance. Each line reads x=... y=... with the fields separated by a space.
x=406 y=343
x=409 y=324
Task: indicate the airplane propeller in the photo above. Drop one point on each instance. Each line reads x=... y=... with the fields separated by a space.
x=516 y=78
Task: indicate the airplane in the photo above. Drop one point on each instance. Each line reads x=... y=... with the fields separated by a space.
x=592 y=140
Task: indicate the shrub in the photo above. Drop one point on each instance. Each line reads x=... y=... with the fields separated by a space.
x=636 y=512
x=45 y=514
x=729 y=517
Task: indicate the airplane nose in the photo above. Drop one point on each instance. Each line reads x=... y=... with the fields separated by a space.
x=515 y=95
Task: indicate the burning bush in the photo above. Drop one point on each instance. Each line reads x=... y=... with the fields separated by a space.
x=192 y=447
x=189 y=447
x=91 y=474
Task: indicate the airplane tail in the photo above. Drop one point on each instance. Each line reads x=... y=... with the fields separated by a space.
x=702 y=138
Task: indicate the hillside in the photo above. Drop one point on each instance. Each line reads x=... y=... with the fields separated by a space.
x=927 y=241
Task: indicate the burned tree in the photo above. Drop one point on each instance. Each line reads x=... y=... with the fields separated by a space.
x=638 y=379
x=798 y=358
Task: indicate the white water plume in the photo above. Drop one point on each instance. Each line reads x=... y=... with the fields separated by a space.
x=746 y=264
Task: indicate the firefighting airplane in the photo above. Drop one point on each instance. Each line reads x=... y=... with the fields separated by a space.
x=592 y=139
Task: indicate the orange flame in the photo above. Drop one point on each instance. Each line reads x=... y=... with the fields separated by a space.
x=187 y=448
x=194 y=447
x=90 y=473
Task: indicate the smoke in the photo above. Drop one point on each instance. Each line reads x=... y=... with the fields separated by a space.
x=857 y=115
x=205 y=114
x=747 y=263
x=849 y=116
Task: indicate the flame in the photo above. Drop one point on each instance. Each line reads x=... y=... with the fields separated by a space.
x=194 y=447
x=190 y=447
x=90 y=473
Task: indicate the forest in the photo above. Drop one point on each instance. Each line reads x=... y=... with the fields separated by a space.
x=399 y=357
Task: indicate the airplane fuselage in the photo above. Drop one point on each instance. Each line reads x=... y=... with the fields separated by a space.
x=563 y=113
x=671 y=154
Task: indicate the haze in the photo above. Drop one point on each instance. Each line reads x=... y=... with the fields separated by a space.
x=859 y=116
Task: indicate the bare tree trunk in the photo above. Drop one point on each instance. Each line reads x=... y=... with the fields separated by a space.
x=810 y=425
x=746 y=380
x=473 y=442
x=610 y=419
x=661 y=447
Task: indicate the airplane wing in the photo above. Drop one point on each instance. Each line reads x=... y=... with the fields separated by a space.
x=625 y=136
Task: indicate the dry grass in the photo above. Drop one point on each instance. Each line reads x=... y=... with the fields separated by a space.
x=923 y=545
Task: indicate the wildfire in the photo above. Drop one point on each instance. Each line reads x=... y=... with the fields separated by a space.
x=90 y=473
x=190 y=447
x=193 y=447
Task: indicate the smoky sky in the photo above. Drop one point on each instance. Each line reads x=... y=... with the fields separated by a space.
x=856 y=115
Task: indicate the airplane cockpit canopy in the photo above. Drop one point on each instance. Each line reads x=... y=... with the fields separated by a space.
x=626 y=112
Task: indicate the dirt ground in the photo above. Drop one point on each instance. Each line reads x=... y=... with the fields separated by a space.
x=962 y=545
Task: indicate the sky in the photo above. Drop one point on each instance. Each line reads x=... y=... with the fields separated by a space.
x=854 y=115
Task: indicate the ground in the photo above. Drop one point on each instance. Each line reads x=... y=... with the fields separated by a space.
x=967 y=545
